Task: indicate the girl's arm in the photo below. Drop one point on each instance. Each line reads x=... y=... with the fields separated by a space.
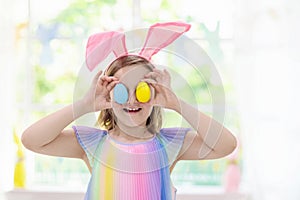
x=49 y=135
x=209 y=140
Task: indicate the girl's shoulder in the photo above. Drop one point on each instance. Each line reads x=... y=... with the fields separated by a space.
x=88 y=130
x=173 y=133
x=172 y=140
x=89 y=139
x=88 y=136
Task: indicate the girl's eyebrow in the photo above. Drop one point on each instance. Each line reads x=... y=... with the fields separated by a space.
x=127 y=85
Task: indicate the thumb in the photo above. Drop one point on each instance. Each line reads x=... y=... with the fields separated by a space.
x=95 y=80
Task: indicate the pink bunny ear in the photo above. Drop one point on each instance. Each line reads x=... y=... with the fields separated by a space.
x=161 y=35
x=100 y=45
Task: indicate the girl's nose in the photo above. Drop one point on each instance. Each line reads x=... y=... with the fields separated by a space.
x=131 y=98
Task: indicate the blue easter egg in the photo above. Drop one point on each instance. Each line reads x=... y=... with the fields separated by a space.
x=120 y=94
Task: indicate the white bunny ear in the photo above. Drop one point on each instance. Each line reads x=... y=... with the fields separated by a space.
x=100 y=45
x=161 y=35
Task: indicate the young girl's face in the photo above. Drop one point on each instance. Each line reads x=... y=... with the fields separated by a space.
x=132 y=113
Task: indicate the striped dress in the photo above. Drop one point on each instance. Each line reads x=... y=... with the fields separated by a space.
x=130 y=171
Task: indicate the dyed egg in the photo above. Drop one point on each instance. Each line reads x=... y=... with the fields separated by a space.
x=120 y=93
x=143 y=92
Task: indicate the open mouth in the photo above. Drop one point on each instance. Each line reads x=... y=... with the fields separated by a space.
x=132 y=110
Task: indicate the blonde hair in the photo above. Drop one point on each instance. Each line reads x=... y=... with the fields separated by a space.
x=106 y=117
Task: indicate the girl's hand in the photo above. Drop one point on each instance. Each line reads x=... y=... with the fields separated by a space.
x=97 y=98
x=164 y=96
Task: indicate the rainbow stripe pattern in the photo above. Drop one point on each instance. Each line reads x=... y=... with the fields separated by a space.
x=130 y=171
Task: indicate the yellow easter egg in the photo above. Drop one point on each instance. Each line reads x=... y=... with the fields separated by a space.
x=143 y=92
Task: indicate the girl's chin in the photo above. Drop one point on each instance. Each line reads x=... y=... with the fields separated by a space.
x=132 y=119
x=133 y=123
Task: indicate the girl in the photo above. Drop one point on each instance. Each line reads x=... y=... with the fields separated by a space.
x=131 y=157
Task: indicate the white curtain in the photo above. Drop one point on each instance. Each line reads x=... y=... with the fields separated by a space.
x=268 y=83
x=7 y=94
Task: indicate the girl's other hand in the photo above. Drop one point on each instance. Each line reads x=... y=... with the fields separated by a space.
x=164 y=96
x=97 y=98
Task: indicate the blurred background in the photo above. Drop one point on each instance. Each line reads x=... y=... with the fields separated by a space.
x=254 y=46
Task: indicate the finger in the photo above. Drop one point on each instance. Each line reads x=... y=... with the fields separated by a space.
x=102 y=81
x=111 y=85
x=105 y=80
x=148 y=80
x=153 y=75
x=97 y=76
x=109 y=78
x=167 y=73
x=157 y=71
x=156 y=86
x=105 y=83
x=163 y=74
x=160 y=88
x=148 y=75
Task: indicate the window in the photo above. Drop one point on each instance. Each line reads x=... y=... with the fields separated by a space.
x=53 y=39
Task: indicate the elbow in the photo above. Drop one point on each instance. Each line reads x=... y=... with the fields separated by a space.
x=231 y=147
x=227 y=146
x=27 y=140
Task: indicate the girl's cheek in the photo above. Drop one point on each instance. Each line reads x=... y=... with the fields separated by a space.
x=116 y=105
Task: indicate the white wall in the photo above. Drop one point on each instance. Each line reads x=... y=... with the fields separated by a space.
x=268 y=80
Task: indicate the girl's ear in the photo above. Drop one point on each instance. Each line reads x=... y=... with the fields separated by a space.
x=161 y=35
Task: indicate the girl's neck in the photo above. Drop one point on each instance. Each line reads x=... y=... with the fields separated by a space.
x=131 y=133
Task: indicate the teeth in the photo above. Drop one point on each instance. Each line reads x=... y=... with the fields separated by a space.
x=131 y=109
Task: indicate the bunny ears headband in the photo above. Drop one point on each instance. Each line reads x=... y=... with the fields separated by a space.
x=159 y=35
